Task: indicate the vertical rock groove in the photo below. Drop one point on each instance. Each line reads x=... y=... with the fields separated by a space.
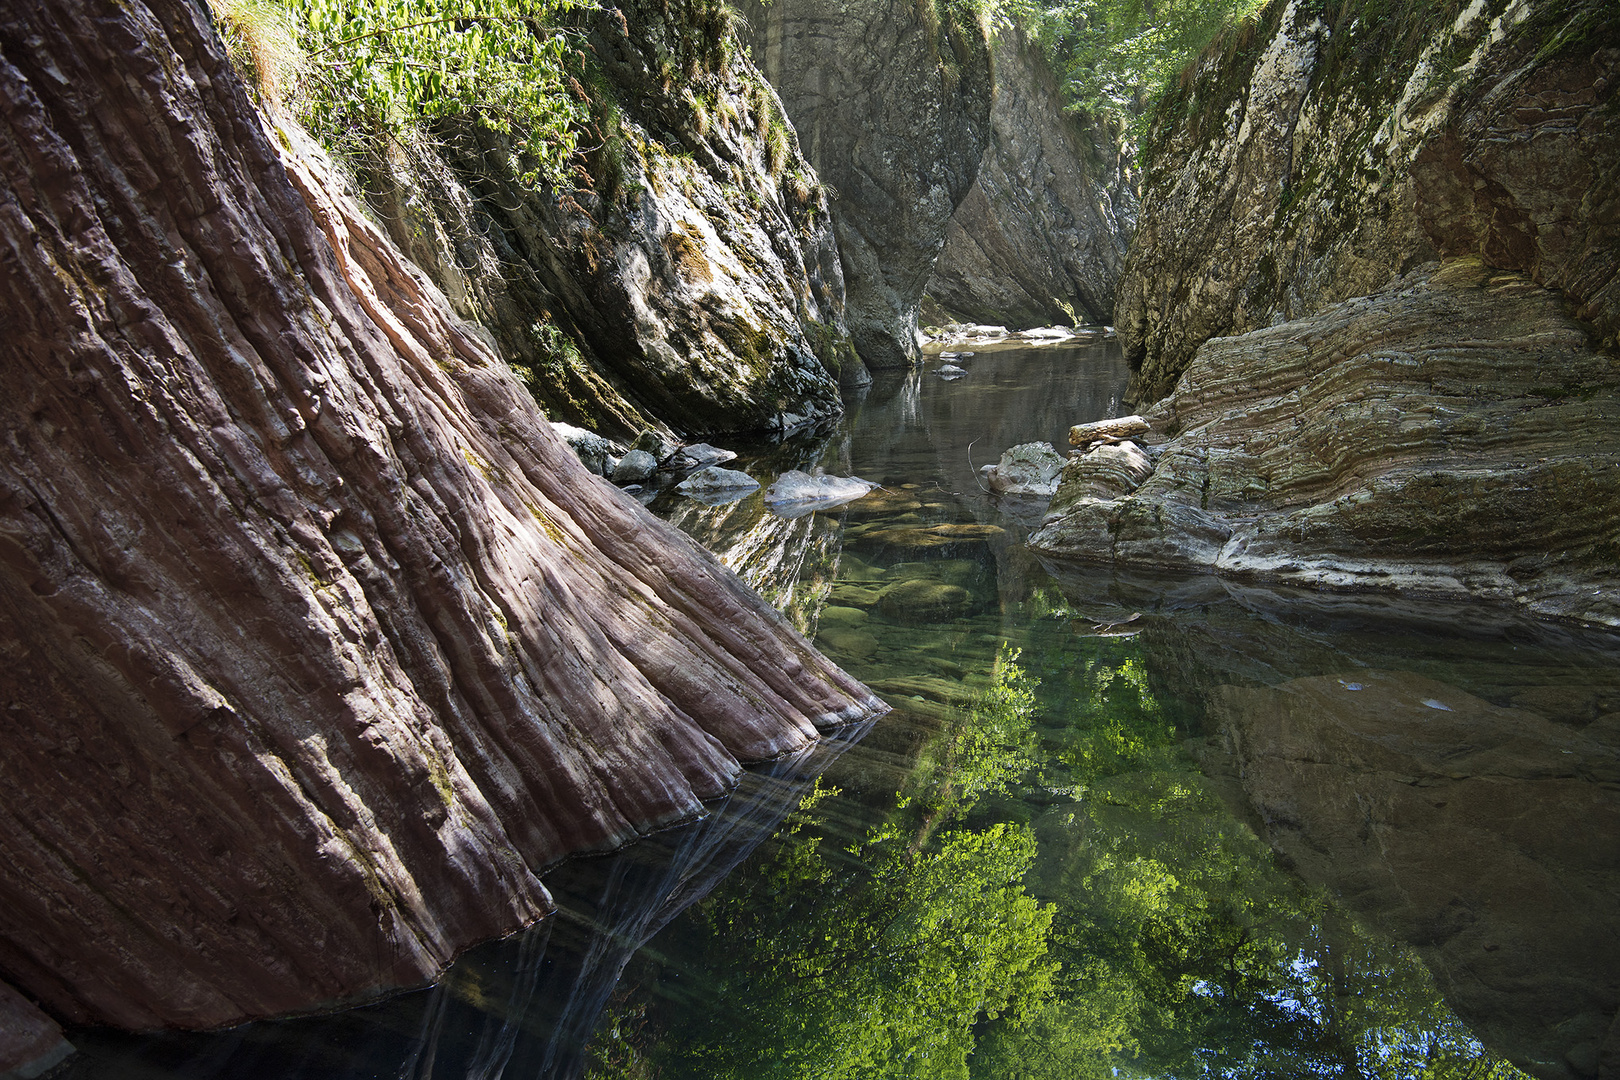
x=318 y=643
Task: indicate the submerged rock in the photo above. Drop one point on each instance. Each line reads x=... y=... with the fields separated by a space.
x=923 y=600
x=1028 y=469
x=320 y=644
x=1453 y=434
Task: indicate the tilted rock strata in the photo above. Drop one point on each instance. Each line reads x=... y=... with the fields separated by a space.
x=1477 y=833
x=319 y=643
x=1049 y=219
x=1454 y=434
x=891 y=100
x=690 y=281
x=1290 y=174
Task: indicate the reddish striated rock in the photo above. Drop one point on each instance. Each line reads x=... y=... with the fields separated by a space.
x=318 y=643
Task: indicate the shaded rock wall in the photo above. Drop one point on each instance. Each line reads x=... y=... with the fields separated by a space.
x=1310 y=158
x=1453 y=434
x=891 y=100
x=319 y=644
x=690 y=282
x=1051 y=214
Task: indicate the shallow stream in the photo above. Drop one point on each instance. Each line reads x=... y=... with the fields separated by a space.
x=1048 y=860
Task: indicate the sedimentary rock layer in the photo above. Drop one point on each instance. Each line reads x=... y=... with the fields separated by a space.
x=689 y=281
x=1051 y=214
x=891 y=100
x=1316 y=155
x=319 y=644
x=1453 y=434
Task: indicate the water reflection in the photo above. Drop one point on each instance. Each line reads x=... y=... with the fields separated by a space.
x=522 y=1007
x=1116 y=826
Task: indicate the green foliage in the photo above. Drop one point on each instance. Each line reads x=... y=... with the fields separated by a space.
x=877 y=959
x=1117 y=58
x=363 y=72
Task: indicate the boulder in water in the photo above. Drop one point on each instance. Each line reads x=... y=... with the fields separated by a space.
x=950 y=372
x=700 y=454
x=598 y=454
x=1027 y=469
x=635 y=467
x=798 y=492
x=712 y=484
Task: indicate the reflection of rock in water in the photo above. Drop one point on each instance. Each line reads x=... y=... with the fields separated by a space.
x=791 y=562
x=524 y=1007
x=1487 y=837
x=1451 y=772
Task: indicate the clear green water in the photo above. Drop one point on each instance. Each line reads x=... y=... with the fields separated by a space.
x=1047 y=861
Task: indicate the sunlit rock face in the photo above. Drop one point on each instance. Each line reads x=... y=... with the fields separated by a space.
x=1051 y=214
x=891 y=100
x=1454 y=434
x=694 y=266
x=1482 y=834
x=1308 y=161
x=319 y=643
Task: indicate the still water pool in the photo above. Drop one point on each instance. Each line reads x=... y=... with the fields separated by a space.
x=1116 y=826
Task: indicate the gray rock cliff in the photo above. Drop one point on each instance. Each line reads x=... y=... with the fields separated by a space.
x=891 y=100
x=320 y=645
x=689 y=281
x=1049 y=219
x=1310 y=158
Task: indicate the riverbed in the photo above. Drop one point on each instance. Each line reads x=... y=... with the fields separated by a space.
x=1116 y=825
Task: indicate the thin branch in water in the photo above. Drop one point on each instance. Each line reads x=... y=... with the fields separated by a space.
x=975 y=472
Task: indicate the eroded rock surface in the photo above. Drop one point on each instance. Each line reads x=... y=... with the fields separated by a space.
x=1453 y=434
x=1286 y=177
x=319 y=643
x=1049 y=219
x=891 y=100
x=690 y=281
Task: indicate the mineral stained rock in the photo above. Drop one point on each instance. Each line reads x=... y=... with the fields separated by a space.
x=1049 y=219
x=1283 y=178
x=691 y=279
x=891 y=100
x=1454 y=434
x=319 y=644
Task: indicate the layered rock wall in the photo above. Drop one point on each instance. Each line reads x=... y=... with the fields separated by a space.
x=1051 y=215
x=690 y=281
x=1454 y=434
x=891 y=100
x=319 y=644
x=1318 y=154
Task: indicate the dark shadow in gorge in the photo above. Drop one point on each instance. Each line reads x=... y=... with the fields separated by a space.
x=522 y=1007
x=1450 y=772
